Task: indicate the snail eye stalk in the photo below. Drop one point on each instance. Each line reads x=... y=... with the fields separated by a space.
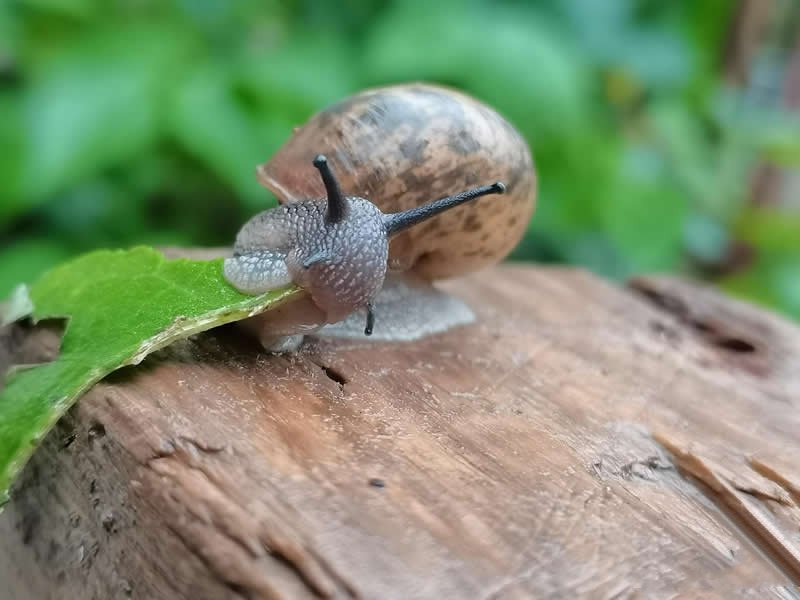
x=337 y=204
x=396 y=222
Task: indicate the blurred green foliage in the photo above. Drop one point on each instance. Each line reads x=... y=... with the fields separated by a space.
x=141 y=121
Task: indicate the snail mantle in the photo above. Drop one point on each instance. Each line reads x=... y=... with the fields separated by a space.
x=578 y=440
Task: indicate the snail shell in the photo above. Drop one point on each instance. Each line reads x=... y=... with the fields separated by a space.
x=399 y=147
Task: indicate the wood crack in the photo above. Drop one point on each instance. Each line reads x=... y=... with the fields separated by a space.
x=332 y=373
x=771 y=473
x=759 y=525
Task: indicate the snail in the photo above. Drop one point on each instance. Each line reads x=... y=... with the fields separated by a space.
x=355 y=185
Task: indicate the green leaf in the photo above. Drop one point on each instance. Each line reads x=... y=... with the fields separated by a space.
x=608 y=31
x=213 y=124
x=12 y=141
x=120 y=306
x=280 y=83
x=95 y=104
x=401 y=46
x=678 y=134
x=645 y=221
x=596 y=252
x=706 y=238
x=771 y=229
x=774 y=281
x=779 y=143
x=520 y=64
x=70 y=8
x=533 y=75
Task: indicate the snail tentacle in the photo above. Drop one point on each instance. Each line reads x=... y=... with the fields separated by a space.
x=337 y=203
x=394 y=223
x=370 y=319
x=409 y=308
x=315 y=259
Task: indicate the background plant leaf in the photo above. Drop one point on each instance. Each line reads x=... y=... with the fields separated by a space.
x=120 y=306
x=110 y=82
x=125 y=123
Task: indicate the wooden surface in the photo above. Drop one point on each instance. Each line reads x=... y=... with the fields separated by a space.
x=581 y=440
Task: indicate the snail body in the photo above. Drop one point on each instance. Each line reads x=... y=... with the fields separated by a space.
x=393 y=149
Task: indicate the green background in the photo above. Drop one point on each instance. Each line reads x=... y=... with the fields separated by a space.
x=137 y=121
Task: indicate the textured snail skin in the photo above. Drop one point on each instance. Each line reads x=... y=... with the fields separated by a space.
x=349 y=258
x=401 y=146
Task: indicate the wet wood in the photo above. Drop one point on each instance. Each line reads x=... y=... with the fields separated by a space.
x=580 y=440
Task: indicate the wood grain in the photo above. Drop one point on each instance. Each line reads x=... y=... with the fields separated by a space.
x=580 y=440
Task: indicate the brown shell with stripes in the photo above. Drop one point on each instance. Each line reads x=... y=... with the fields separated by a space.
x=403 y=146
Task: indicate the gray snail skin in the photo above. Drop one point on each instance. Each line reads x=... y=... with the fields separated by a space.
x=394 y=149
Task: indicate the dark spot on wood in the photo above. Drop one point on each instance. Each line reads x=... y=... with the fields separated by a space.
x=109 y=521
x=703 y=327
x=662 y=329
x=734 y=344
x=53 y=548
x=512 y=221
x=28 y=526
x=334 y=375
x=96 y=432
x=666 y=302
x=645 y=469
x=238 y=589
x=715 y=335
x=716 y=332
x=376 y=482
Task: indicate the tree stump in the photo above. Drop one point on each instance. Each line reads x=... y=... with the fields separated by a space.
x=580 y=440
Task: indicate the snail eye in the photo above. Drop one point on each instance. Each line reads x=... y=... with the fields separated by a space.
x=337 y=203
